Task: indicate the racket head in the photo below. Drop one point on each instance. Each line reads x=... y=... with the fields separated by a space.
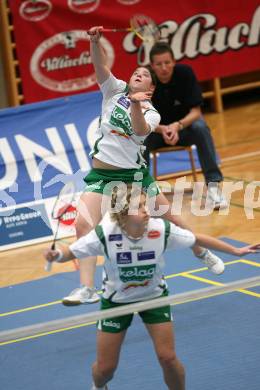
x=145 y=28
x=63 y=200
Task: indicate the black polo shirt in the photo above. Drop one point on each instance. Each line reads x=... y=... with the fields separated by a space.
x=174 y=99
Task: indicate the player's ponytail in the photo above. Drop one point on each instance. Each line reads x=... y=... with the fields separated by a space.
x=122 y=199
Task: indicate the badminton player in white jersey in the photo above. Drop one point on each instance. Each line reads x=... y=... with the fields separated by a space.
x=133 y=245
x=127 y=118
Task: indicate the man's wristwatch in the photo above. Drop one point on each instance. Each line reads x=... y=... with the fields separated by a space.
x=181 y=125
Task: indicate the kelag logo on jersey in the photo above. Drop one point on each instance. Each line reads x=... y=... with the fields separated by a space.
x=124 y=257
x=139 y=274
x=120 y=119
x=146 y=255
x=115 y=237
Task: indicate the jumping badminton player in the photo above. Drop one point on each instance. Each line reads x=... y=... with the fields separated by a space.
x=133 y=271
x=127 y=118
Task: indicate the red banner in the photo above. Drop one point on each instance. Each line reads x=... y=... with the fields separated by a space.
x=217 y=38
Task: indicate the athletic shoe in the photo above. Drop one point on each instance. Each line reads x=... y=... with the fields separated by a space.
x=216 y=197
x=81 y=295
x=98 y=388
x=213 y=262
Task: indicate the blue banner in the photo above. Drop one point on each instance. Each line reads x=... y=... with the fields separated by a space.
x=24 y=225
x=44 y=144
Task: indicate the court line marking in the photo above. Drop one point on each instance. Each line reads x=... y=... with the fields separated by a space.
x=232 y=178
x=198 y=270
x=29 y=308
x=5 y=314
x=257 y=209
x=250 y=141
x=250 y=262
x=238 y=156
x=213 y=282
x=46 y=333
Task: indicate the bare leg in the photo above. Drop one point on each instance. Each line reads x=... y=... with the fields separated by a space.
x=89 y=215
x=163 y=340
x=108 y=351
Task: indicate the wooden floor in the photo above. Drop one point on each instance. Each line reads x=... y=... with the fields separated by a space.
x=237 y=138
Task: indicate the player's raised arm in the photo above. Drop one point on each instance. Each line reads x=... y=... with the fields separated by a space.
x=98 y=54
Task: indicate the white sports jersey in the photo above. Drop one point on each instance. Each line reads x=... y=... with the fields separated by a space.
x=133 y=269
x=118 y=144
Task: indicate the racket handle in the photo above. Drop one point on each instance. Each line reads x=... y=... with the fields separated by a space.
x=115 y=29
x=48 y=266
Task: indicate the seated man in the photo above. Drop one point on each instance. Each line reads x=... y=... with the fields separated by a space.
x=177 y=97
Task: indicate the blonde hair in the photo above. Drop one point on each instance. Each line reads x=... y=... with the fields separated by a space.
x=122 y=197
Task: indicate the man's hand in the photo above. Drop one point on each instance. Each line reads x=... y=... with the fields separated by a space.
x=170 y=133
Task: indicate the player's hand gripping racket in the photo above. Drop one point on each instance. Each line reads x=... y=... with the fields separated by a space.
x=61 y=205
x=143 y=26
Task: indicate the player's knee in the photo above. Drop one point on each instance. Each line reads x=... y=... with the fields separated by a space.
x=167 y=358
x=107 y=369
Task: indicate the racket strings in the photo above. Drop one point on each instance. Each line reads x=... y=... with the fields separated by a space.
x=63 y=201
x=144 y=27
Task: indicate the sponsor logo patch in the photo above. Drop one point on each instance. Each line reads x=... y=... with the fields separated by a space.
x=124 y=257
x=136 y=248
x=120 y=119
x=136 y=284
x=68 y=218
x=111 y=324
x=115 y=237
x=153 y=234
x=139 y=274
x=124 y=101
x=146 y=255
x=94 y=186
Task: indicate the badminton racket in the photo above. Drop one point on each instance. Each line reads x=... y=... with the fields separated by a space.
x=61 y=206
x=143 y=26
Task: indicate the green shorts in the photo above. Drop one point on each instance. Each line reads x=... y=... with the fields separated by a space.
x=118 y=324
x=103 y=181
